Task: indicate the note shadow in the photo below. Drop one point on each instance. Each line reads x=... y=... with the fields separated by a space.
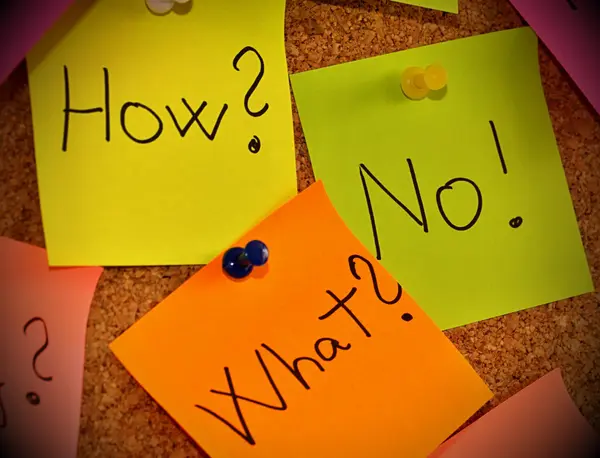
x=393 y=89
x=438 y=95
x=183 y=8
x=258 y=273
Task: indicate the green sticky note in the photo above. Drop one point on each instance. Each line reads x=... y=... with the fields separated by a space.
x=449 y=6
x=462 y=195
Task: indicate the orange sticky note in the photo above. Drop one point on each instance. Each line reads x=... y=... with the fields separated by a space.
x=319 y=353
x=43 y=320
x=540 y=421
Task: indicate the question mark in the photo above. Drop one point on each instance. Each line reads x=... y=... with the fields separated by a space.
x=254 y=144
x=32 y=397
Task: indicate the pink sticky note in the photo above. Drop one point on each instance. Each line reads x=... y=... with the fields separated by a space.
x=22 y=24
x=541 y=421
x=43 y=320
x=569 y=28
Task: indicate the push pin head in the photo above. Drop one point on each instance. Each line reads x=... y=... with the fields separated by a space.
x=162 y=6
x=417 y=83
x=238 y=262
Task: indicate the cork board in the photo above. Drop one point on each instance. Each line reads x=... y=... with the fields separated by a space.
x=120 y=420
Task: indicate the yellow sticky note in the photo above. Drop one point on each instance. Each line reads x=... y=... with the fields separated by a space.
x=187 y=139
x=319 y=353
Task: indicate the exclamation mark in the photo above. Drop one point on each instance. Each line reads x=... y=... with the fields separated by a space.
x=517 y=220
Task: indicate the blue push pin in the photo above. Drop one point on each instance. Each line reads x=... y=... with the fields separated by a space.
x=238 y=262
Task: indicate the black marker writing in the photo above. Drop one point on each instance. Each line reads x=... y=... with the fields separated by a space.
x=341 y=304
x=515 y=222
x=498 y=148
x=68 y=110
x=195 y=119
x=159 y=126
x=334 y=347
x=294 y=367
x=41 y=349
x=352 y=262
x=152 y=114
x=448 y=186
x=254 y=144
x=255 y=83
x=326 y=348
x=3 y=421
x=33 y=398
x=572 y=5
x=246 y=434
x=420 y=222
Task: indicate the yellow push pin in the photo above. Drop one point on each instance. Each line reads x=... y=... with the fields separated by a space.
x=161 y=7
x=417 y=83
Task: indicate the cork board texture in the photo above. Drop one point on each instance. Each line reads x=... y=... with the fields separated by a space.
x=120 y=420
